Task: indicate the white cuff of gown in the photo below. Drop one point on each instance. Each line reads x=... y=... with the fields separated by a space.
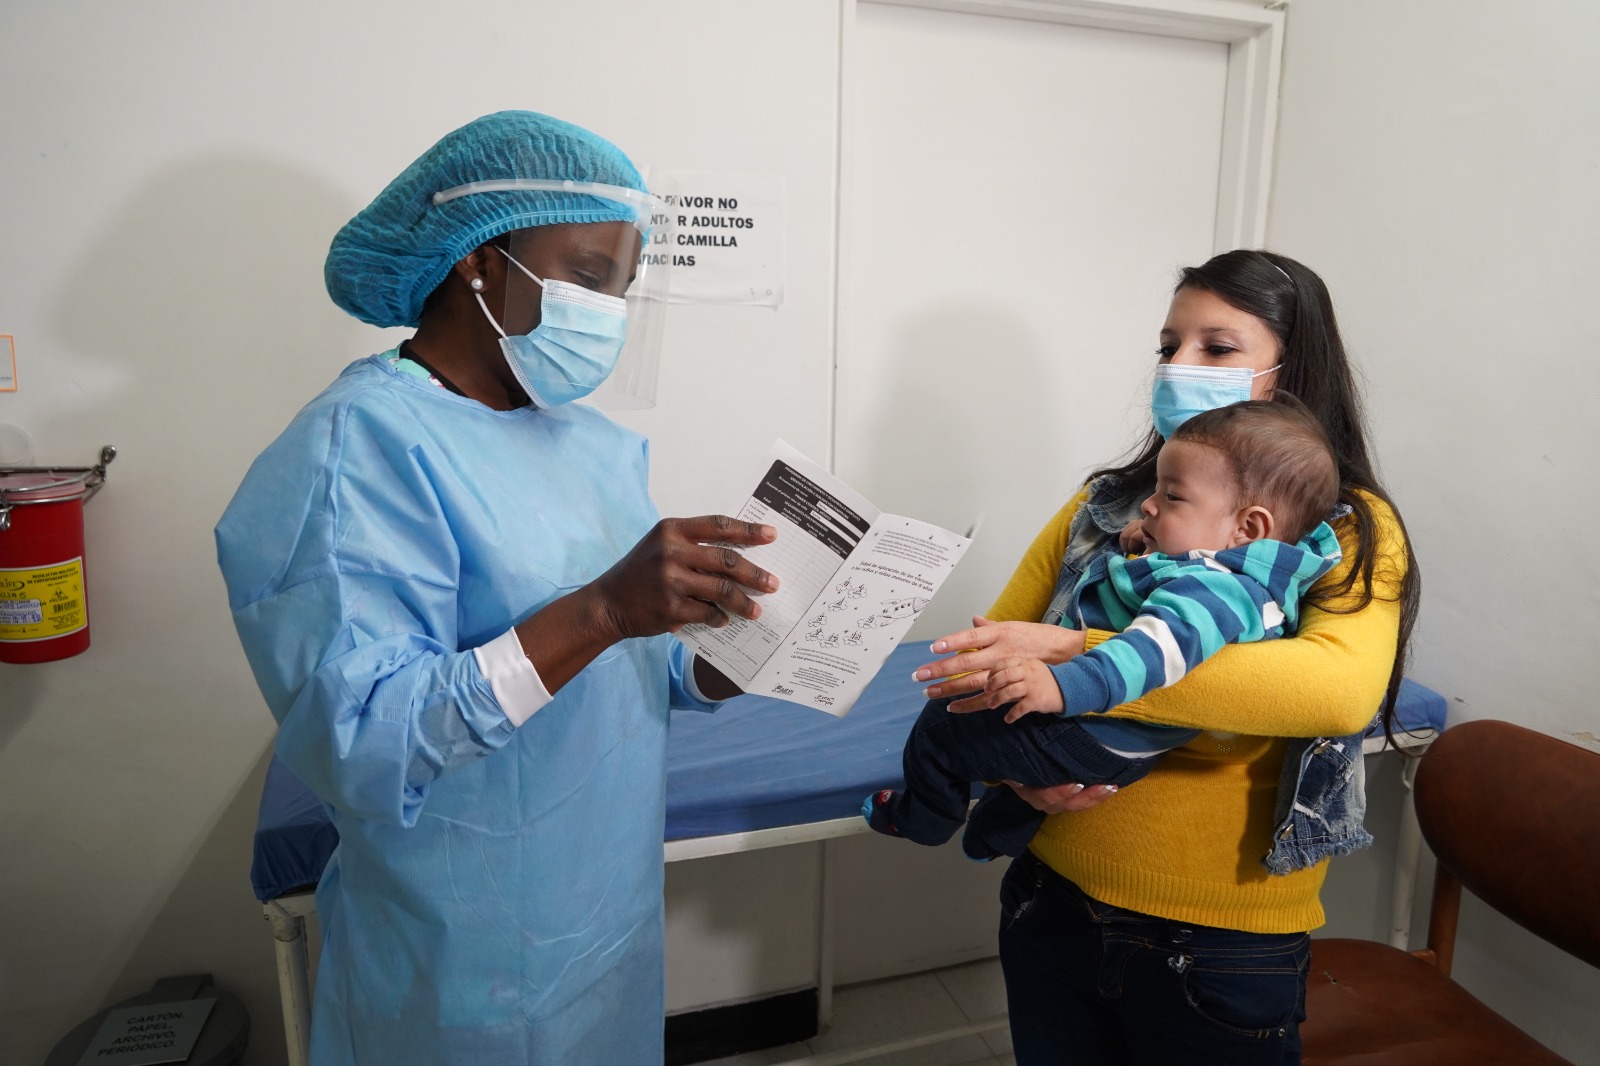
x=516 y=685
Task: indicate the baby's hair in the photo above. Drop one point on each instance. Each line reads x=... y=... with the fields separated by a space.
x=1279 y=456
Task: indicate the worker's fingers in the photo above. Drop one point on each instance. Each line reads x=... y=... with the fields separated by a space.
x=724 y=596
x=719 y=528
x=721 y=560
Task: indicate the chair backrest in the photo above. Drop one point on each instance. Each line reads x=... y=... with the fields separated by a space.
x=1514 y=815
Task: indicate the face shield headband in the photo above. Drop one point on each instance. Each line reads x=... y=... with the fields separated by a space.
x=644 y=206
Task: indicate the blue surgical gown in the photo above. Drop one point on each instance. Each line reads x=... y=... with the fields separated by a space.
x=496 y=896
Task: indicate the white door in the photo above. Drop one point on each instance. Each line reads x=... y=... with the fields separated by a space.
x=1017 y=196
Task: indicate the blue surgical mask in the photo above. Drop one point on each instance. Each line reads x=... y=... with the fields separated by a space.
x=575 y=346
x=1181 y=392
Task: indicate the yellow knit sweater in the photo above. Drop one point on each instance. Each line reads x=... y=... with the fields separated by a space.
x=1185 y=842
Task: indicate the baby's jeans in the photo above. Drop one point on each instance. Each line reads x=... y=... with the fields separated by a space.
x=946 y=753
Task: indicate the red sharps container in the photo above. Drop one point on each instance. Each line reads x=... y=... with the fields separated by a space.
x=44 y=614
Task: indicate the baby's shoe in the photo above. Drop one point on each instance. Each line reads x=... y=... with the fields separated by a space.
x=875 y=809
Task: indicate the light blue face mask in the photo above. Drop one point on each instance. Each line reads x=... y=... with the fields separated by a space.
x=1181 y=392
x=575 y=346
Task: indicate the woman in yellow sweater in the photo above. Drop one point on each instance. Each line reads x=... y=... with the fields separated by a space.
x=1146 y=928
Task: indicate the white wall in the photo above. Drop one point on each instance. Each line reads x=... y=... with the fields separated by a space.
x=1011 y=228
x=172 y=174
x=1438 y=164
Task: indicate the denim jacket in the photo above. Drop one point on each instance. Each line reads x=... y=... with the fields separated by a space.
x=1322 y=797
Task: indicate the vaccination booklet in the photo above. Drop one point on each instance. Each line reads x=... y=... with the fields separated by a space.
x=852 y=580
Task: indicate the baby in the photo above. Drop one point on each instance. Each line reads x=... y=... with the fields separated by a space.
x=1234 y=535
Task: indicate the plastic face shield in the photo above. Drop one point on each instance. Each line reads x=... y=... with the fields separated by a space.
x=610 y=259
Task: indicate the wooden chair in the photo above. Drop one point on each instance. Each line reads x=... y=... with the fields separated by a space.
x=1514 y=816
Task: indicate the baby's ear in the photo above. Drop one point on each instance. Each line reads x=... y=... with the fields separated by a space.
x=1255 y=523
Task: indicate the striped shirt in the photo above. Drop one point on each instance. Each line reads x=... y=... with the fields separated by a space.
x=1171 y=613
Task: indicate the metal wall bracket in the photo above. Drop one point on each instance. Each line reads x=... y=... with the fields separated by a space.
x=89 y=477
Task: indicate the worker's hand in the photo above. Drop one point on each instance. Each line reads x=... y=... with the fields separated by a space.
x=1131 y=539
x=1026 y=684
x=1063 y=799
x=986 y=645
x=684 y=570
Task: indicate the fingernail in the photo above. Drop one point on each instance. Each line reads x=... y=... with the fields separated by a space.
x=772 y=583
x=1110 y=789
x=1077 y=788
x=769 y=531
x=921 y=675
x=930 y=693
x=938 y=645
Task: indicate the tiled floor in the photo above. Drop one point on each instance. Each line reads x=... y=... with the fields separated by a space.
x=882 y=1011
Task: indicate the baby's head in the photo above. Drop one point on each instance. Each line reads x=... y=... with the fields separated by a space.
x=1249 y=471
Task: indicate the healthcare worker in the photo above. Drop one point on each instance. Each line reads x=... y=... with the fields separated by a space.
x=456 y=598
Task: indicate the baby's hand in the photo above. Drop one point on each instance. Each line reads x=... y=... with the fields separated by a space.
x=1026 y=682
x=1131 y=539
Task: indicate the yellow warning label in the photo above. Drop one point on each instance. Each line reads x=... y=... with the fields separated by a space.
x=40 y=603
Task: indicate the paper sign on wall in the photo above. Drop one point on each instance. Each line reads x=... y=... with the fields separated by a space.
x=726 y=244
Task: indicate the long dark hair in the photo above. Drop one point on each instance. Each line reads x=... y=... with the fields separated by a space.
x=1295 y=305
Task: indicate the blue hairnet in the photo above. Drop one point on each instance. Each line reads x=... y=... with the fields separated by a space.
x=385 y=261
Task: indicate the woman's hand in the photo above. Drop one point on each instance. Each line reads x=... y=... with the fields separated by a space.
x=987 y=645
x=684 y=570
x=1063 y=799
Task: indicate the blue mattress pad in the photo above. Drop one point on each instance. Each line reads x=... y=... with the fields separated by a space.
x=757 y=763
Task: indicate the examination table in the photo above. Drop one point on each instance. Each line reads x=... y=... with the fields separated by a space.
x=758 y=773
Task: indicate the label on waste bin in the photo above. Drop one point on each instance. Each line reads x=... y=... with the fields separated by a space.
x=148 y=1034
x=41 y=603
